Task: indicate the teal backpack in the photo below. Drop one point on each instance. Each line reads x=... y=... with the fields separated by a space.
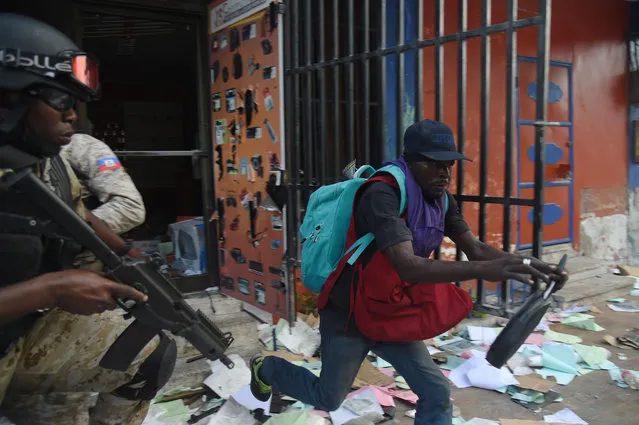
x=325 y=227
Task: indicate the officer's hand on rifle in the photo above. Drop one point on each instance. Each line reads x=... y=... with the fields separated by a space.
x=85 y=292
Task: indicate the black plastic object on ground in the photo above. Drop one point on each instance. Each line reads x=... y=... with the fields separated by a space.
x=521 y=325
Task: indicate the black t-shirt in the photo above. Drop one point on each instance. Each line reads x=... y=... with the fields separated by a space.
x=377 y=211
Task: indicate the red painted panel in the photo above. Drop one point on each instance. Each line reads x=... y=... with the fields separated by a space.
x=560 y=229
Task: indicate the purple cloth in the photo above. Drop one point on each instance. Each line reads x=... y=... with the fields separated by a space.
x=425 y=219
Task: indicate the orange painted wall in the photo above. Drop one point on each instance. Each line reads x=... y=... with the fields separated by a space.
x=591 y=37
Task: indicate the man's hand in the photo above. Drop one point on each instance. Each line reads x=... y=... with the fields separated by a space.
x=523 y=269
x=85 y=292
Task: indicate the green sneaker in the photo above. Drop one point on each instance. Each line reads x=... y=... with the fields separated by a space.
x=259 y=388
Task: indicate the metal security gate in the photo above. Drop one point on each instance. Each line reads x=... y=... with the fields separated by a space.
x=339 y=62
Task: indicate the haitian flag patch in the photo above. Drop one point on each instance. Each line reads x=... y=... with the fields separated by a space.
x=110 y=163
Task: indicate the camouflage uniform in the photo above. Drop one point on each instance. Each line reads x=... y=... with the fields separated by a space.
x=49 y=375
x=102 y=175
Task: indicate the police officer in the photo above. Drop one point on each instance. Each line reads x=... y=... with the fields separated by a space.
x=119 y=204
x=55 y=323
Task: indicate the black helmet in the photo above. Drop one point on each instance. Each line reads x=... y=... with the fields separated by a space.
x=34 y=53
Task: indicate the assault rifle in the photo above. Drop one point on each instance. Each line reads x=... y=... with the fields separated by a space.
x=166 y=308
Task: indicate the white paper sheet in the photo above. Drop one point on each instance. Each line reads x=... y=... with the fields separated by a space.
x=565 y=416
x=300 y=339
x=350 y=408
x=233 y=413
x=480 y=421
x=226 y=382
x=477 y=372
x=482 y=335
x=245 y=398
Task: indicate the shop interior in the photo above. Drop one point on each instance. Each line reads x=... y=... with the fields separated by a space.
x=149 y=103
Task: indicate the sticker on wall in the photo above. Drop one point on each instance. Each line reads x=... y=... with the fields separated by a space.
x=260 y=293
x=273 y=161
x=220 y=131
x=269 y=73
x=231 y=168
x=231 y=100
x=244 y=286
x=254 y=133
x=271 y=131
x=215 y=71
x=219 y=160
x=224 y=41
x=256 y=163
x=275 y=271
x=237 y=256
x=215 y=44
x=235 y=224
x=249 y=32
x=228 y=283
x=256 y=267
x=276 y=244
x=231 y=201
x=277 y=222
x=267 y=47
x=278 y=285
x=268 y=100
x=244 y=166
x=252 y=66
x=245 y=197
x=216 y=102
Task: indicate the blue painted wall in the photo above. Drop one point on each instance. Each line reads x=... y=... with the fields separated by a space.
x=633 y=169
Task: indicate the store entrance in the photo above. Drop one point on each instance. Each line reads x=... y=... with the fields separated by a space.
x=148 y=115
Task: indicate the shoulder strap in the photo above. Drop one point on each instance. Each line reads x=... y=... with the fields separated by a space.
x=400 y=178
x=446 y=203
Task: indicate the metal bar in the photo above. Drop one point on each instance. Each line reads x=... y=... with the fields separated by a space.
x=524 y=202
x=511 y=66
x=350 y=84
x=205 y=142
x=483 y=129
x=383 y=73
x=309 y=130
x=439 y=60
x=543 y=59
x=462 y=74
x=545 y=123
x=337 y=165
x=439 y=73
x=419 y=66
x=367 y=84
x=322 y=94
x=385 y=51
x=294 y=170
x=164 y=154
x=401 y=84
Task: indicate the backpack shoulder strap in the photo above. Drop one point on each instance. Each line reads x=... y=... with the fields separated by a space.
x=446 y=203
x=400 y=178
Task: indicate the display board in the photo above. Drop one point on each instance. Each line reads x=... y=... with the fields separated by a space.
x=248 y=129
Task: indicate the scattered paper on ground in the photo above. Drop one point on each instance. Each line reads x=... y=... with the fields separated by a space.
x=296 y=417
x=560 y=337
x=625 y=307
x=360 y=404
x=591 y=355
x=559 y=357
x=565 y=416
x=479 y=421
x=536 y=384
x=582 y=321
x=522 y=422
x=300 y=339
x=483 y=335
x=226 y=382
x=370 y=375
x=233 y=413
x=477 y=372
x=382 y=397
x=245 y=398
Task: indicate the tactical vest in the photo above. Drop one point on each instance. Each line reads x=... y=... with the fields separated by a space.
x=30 y=243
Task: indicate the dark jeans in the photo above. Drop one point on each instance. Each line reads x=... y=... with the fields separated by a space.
x=342 y=357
